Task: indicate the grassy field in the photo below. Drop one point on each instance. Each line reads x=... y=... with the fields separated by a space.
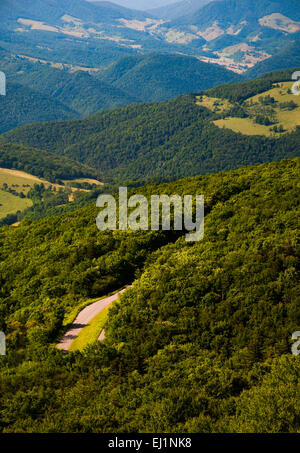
x=91 y=332
x=10 y=204
x=244 y=125
x=288 y=119
x=21 y=181
x=214 y=104
x=18 y=180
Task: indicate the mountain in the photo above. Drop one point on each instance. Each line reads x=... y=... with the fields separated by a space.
x=22 y=105
x=219 y=129
x=143 y=5
x=42 y=163
x=235 y=12
x=288 y=57
x=65 y=94
x=143 y=77
x=234 y=33
x=71 y=92
x=179 y=9
x=237 y=33
x=53 y=11
x=75 y=31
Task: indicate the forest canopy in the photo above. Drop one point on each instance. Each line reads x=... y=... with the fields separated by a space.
x=201 y=343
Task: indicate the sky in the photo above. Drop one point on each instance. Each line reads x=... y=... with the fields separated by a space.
x=143 y=4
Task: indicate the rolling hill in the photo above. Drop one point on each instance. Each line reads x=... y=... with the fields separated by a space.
x=201 y=341
x=75 y=32
x=42 y=164
x=143 y=77
x=71 y=92
x=56 y=183
x=171 y=139
x=22 y=105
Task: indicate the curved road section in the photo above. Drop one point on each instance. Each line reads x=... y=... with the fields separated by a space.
x=83 y=319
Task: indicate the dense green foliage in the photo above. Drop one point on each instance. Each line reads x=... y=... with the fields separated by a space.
x=200 y=344
x=78 y=93
x=22 y=105
x=142 y=77
x=43 y=164
x=162 y=141
x=239 y=92
x=74 y=94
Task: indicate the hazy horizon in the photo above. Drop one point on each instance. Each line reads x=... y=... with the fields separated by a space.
x=142 y=4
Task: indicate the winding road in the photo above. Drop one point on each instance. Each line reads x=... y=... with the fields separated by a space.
x=83 y=319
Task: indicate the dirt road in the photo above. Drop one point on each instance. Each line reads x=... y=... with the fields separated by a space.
x=84 y=317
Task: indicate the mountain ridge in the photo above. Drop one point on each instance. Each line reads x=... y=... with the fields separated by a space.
x=171 y=139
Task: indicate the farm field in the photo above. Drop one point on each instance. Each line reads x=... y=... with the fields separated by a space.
x=22 y=181
x=245 y=126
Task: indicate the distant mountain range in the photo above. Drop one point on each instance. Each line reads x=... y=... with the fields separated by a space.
x=67 y=59
x=143 y=5
x=237 y=34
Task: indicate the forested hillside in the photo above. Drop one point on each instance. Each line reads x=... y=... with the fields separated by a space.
x=22 y=105
x=168 y=140
x=41 y=163
x=98 y=97
x=200 y=344
x=286 y=58
x=72 y=91
x=142 y=77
